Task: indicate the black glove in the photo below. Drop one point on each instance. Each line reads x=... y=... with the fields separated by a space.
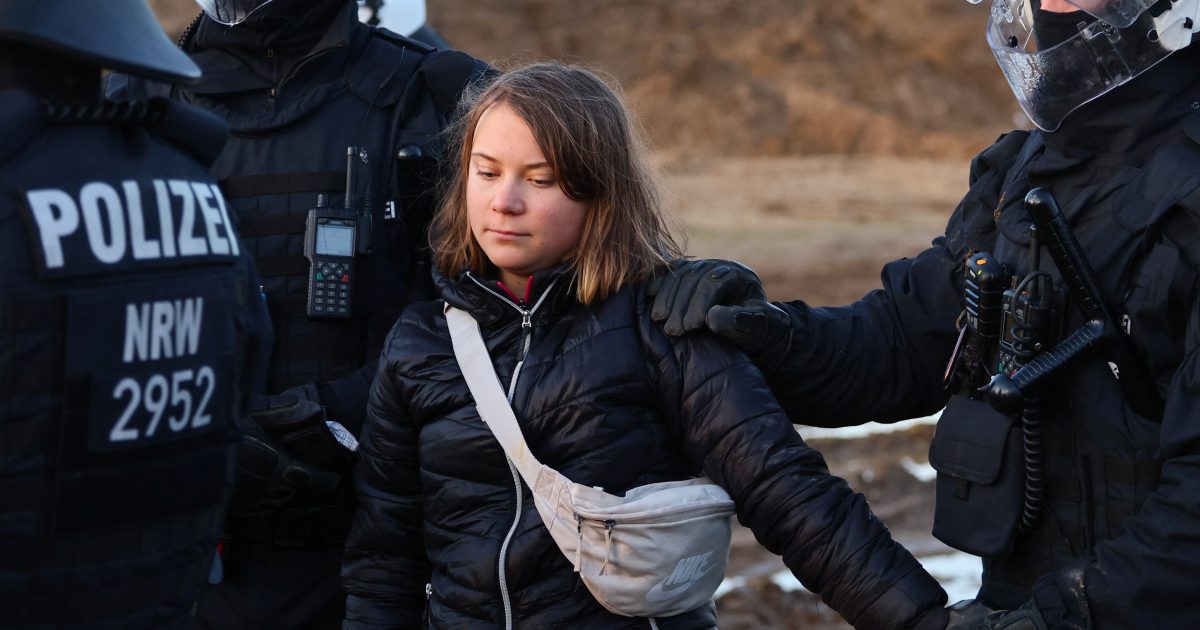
x=286 y=454
x=684 y=294
x=298 y=423
x=760 y=329
x=268 y=478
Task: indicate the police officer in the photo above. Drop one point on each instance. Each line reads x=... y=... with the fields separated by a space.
x=1079 y=490
x=132 y=326
x=336 y=121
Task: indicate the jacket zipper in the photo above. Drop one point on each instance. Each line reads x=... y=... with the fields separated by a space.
x=526 y=338
x=187 y=32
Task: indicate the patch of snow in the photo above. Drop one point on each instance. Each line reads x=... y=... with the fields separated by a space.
x=959 y=573
x=787 y=582
x=728 y=584
x=863 y=430
x=922 y=472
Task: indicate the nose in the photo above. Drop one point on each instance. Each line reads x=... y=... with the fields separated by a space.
x=508 y=197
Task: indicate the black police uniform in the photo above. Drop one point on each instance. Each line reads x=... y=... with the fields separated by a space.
x=296 y=96
x=1116 y=544
x=131 y=319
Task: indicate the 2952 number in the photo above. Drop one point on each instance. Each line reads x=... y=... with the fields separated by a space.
x=158 y=396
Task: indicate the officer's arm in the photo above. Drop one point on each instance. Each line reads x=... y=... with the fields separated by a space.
x=384 y=569
x=1147 y=577
x=879 y=359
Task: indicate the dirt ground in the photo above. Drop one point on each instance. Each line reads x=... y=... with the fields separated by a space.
x=813 y=140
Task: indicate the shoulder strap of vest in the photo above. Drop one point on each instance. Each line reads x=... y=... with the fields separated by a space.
x=379 y=31
x=385 y=68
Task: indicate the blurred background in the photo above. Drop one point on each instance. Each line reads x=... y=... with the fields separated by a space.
x=813 y=140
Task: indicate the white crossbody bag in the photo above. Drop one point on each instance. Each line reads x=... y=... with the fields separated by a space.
x=658 y=551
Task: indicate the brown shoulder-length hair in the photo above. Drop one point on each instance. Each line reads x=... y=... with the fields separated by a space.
x=584 y=129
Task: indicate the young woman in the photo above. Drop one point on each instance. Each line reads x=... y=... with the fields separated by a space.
x=550 y=229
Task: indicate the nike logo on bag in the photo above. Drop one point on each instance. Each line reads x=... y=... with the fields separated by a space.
x=687 y=572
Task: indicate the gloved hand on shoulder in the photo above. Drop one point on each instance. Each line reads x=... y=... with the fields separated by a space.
x=684 y=294
x=726 y=297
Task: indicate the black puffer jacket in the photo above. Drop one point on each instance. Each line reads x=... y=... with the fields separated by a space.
x=605 y=397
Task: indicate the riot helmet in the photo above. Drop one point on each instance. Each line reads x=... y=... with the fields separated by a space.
x=121 y=35
x=1057 y=62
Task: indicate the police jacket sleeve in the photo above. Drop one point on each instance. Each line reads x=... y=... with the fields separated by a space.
x=384 y=568
x=880 y=359
x=731 y=426
x=1147 y=577
x=346 y=399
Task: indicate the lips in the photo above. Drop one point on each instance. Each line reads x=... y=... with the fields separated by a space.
x=506 y=234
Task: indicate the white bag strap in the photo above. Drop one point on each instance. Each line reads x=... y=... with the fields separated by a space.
x=493 y=405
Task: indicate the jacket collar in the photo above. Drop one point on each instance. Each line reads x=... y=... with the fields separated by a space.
x=551 y=291
x=236 y=59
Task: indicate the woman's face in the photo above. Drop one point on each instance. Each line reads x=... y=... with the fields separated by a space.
x=522 y=219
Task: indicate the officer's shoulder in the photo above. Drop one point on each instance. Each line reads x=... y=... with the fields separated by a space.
x=20 y=121
x=400 y=40
x=384 y=68
x=390 y=59
x=199 y=133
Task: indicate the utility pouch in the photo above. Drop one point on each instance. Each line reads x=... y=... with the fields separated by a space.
x=980 y=483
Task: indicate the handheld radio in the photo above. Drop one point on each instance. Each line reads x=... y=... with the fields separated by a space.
x=983 y=284
x=330 y=244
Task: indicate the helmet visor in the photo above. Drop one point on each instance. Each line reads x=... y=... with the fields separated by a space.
x=1119 y=13
x=230 y=12
x=1051 y=82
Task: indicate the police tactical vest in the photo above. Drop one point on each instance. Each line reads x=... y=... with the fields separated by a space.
x=391 y=104
x=1101 y=458
x=126 y=315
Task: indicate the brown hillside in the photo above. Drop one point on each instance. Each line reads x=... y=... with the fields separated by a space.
x=769 y=77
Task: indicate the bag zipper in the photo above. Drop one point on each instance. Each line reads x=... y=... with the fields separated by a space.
x=526 y=337
x=672 y=514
